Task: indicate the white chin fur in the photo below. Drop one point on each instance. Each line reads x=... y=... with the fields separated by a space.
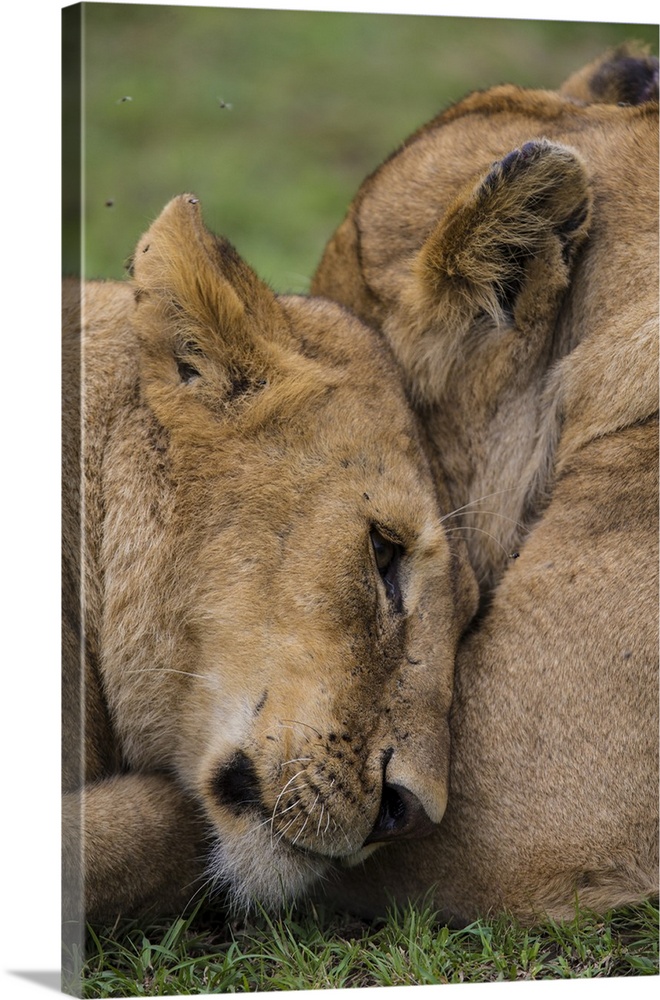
x=255 y=872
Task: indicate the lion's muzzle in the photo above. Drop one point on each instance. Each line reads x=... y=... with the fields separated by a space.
x=401 y=815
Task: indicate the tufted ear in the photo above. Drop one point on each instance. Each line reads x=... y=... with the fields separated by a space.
x=499 y=259
x=625 y=75
x=205 y=322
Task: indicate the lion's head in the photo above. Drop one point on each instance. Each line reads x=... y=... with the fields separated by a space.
x=513 y=228
x=279 y=595
x=508 y=250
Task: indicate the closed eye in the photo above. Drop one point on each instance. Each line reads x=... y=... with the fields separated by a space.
x=387 y=554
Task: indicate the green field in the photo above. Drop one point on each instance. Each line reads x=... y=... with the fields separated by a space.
x=208 y=954
x=317 y=101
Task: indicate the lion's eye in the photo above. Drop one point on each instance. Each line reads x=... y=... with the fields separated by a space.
x=388 y=556
x=384 y=550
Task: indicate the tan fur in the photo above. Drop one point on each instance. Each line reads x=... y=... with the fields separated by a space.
x=249 y=683
x=509 y=252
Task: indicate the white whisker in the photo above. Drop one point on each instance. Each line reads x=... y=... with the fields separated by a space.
x=318 y=825
x=302 y=828
x=167 y=670
x=295 y=722
x=277 y=800
x=339 y=827
x=283 y=831
x=494 y=513
x=206 y=883
x=267 y=822
x=482 y=531
x=471 y=503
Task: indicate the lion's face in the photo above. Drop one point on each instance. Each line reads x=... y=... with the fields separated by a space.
x=290 y=595
x=322 y=629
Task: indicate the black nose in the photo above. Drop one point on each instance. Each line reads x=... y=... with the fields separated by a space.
x=401 y=815
x=236 y=784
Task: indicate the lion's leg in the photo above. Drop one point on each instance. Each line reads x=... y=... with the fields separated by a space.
x=137 y=840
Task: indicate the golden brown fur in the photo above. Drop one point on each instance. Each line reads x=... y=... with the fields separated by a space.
x=509 y=252
x=257 y=581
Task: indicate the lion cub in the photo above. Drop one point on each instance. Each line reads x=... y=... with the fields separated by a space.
x=509 y=253
x=258 y=580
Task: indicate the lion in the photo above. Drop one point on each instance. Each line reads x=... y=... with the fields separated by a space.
x=257 y=581
x=508 y=252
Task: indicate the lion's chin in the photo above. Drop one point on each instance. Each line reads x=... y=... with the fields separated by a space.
x=254 y=871
x=351 y=860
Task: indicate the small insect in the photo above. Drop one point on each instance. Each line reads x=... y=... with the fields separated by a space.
x=514 y=555
x=109 y=202
x=224 y=104
x=122 y=100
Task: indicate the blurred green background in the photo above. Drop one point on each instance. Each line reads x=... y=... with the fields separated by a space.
x=314 y=101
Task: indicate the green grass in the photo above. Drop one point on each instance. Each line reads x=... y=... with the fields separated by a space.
x=317 y=101
x=207 y=953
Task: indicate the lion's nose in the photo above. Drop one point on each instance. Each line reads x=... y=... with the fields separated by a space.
x=401 y=815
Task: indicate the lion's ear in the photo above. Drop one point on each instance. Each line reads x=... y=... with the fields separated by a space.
x=204 y=320
x=627 y=74
x=502 y=254
x=505 y=246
